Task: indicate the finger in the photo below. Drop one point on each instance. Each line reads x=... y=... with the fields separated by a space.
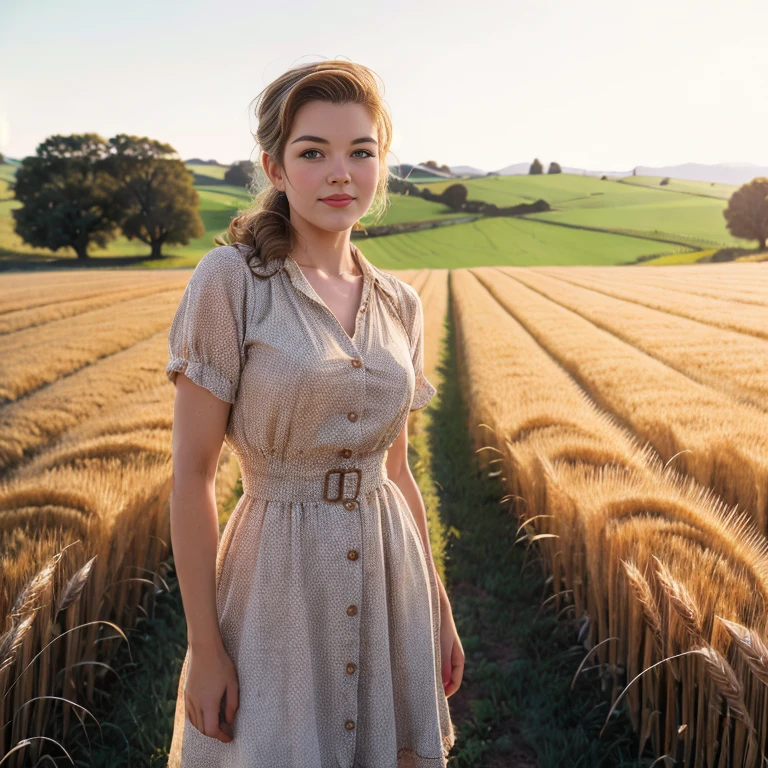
x=212 y=724
x=210 y=721
x=232 y=699
x=224 y=727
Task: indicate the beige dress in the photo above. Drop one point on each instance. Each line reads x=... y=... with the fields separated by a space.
x=326 y=603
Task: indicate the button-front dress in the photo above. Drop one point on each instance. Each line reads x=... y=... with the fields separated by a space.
x=325 y=599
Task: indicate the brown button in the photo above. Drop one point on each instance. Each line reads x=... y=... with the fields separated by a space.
x=352 y=610
x=352 y=554
x=351 y=668
x=349 y=725
x=362 y=311
x=346 y=453
x=352 y=416
x=356 y=363
x=350 y=504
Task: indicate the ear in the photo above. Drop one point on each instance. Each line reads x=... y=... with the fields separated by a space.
x=272 y=169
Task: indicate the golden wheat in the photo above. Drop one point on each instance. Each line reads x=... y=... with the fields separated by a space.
x=735 y=363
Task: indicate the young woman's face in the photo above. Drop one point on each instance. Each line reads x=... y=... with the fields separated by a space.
x=332 y=150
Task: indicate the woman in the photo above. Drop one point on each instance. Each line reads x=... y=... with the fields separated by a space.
x=319 y=620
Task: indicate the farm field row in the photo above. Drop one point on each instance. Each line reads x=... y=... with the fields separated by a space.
x=643 y=489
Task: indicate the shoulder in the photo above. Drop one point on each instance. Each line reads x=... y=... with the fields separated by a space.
x=224 y=260
x=223 y=270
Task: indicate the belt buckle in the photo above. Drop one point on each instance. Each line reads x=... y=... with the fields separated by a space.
x=343 y=473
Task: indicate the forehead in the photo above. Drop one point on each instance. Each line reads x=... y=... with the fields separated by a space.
x=335 y=122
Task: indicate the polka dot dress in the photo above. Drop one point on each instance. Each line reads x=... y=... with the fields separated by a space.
x=326 y=603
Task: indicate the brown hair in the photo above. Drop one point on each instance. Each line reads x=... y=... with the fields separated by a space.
x=266 y=225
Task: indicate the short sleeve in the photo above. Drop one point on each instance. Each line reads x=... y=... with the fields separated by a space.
x=413 y=319
x=207 y=336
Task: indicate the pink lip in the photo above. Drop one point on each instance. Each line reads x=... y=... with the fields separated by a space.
x=337 y=203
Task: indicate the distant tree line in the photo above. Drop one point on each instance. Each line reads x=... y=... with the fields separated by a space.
x=455 y=197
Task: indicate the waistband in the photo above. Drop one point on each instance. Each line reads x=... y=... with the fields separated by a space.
x=343 y=481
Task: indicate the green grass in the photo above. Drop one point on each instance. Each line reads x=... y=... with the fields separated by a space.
x=703 y=188
x=404 y=208
x=632 y=206
x=679 y=258
x=686 y=219
x=506 y=241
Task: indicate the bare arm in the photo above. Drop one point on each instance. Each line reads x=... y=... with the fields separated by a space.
x=199 y=424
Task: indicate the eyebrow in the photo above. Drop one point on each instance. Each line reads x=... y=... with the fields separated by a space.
x=318 y=140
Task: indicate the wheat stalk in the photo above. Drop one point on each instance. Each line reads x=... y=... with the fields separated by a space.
x=751 y=647
x=75 y=586
x=726 y=681
x=645 y=596
x=680 y=598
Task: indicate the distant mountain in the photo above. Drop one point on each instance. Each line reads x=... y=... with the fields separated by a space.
x=720 y=173
x=198 y=161
x=467 y=170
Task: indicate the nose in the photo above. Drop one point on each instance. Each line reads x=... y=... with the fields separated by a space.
x=339 y=172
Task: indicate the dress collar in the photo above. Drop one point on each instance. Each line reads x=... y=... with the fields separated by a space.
x=371 y=273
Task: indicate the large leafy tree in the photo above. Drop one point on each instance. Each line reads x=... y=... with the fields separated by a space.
x=155 y=191
x=747 y=212
x=67 y=199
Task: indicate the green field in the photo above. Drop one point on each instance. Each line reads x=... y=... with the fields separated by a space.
x=685 y=219
x=505 y=241
x=703 y=188
x=592 y=222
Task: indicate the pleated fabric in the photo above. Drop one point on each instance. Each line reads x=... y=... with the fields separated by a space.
x=326 y=602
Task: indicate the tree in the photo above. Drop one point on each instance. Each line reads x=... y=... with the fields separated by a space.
x=156 y=193
x=536 y=167
x=239 y=174
x=455 y=196
x=2 y=158
x=747 y=212
x=554 y=168
x=68 y=200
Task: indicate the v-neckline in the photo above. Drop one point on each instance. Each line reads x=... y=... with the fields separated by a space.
x=319 y=299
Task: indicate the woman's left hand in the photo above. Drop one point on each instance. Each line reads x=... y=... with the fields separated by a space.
x=452 y=654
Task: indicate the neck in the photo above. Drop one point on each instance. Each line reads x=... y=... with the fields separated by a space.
x=319 y=248
x=346 y=266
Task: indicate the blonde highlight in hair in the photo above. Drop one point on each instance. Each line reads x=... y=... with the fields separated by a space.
x=266 y=225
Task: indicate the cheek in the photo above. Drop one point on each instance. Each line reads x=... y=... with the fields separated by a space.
x=305 y=178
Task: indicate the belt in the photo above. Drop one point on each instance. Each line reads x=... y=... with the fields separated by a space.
x=304 y=481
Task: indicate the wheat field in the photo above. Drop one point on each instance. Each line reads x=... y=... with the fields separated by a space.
x=625 y=409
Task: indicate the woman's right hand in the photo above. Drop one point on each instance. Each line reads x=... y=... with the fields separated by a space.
x=211 y=681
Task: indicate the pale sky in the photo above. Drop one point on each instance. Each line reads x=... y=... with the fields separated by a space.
x=596 y=84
